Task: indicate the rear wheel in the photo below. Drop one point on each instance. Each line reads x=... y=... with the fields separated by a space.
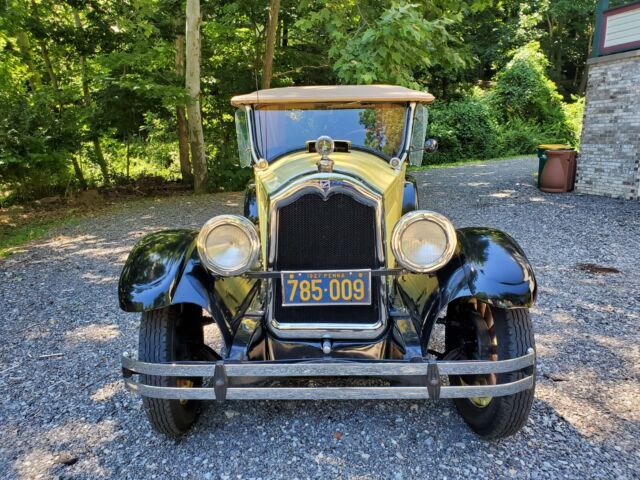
x=166 y=335
x=477 y=331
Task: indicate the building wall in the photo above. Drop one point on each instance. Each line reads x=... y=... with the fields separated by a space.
x=609 y=159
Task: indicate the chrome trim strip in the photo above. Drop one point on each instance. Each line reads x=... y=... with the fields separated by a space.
x=249 y=111
x=380 y=272
x=347 y=368
x=408 y=133
x=319 y=330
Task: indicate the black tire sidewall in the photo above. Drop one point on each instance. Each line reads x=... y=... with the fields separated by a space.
x=503 y=416
x=163 y=336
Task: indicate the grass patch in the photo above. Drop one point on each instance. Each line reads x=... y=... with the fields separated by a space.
x=462 y=163
x=13 y=237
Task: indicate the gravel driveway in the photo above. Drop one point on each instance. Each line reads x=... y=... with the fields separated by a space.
x=65 y=414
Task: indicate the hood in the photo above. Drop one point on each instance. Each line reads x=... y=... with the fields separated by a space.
x=373 y=172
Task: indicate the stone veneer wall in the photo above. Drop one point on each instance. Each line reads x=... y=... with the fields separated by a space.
x=609 y=159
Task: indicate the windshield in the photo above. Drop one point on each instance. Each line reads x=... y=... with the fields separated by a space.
x=379 y=127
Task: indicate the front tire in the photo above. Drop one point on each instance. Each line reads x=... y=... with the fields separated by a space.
x=166 y=335
x=509 y=334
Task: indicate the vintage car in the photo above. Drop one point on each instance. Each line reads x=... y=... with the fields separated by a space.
x=333 y=271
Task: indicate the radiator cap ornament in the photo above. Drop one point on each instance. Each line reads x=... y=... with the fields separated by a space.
x=325 y=147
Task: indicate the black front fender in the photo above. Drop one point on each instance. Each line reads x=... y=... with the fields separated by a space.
x=164 y=269
x=488 y=265
x=496 y=269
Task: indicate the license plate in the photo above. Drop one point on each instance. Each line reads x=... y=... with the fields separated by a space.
x=346 y=287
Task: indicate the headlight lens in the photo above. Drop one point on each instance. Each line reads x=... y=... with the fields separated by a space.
x=423 y=241
x=228 y=245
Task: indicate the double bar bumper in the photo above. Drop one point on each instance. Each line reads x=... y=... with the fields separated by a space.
x=426 y=372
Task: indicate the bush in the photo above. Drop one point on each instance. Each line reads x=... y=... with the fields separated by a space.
x=523 y=91
x=518 y=137
x=574 y=113
x=36 y=144
x=465 y=129
x=520 y=111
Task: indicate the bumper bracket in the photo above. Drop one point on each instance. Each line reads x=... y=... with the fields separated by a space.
x=220 y=381
x=433 y=380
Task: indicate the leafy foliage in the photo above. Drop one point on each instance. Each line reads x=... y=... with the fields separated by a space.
x=521 y=110
x=464 y=129
x=397 y=44
x=81 y=80
x=523 y=91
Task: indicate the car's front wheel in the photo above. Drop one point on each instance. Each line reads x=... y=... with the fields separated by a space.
x=477 y=331
x=166 y=335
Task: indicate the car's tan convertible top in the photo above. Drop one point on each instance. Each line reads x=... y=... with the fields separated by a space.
x=332 y=94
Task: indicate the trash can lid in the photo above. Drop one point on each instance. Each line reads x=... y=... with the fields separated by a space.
x=554 y=146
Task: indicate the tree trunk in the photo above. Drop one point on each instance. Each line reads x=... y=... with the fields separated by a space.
x=102 y=163
x=274 y=9
x=285 y=35
x=181 y=120
x=128 y=156
x=194 y=119
x=25 y=50
x=78 y=171
x=47 y=61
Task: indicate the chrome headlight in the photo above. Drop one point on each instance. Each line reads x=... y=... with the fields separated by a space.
x=228 y=245
x=423 y=241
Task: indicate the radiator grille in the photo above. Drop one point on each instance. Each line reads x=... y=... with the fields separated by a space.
x=336 y=233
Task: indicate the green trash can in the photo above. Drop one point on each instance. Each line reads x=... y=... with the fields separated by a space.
x=542 y=157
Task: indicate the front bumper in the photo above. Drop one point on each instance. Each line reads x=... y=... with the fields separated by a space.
x=426 y=373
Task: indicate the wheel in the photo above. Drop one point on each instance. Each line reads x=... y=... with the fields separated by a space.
x=169 y=334
x=477 y=331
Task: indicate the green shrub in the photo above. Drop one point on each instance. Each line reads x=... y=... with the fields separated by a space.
x=522 y=90
x=465 y=129
x=225 y=172
x=36 y=144
x=520 y=111
x=518 y=137
x=574 y=114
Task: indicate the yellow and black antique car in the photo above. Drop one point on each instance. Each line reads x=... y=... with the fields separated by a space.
x=333 y=271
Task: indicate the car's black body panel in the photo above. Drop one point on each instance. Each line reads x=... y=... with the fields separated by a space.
x=261 y=345
x=251 y=203
x=410 y=195
x=154 y=269
x=497 y=269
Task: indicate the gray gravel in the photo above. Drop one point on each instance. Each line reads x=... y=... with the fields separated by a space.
x=67 y=415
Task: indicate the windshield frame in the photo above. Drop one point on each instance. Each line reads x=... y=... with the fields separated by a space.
x=409 y=108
